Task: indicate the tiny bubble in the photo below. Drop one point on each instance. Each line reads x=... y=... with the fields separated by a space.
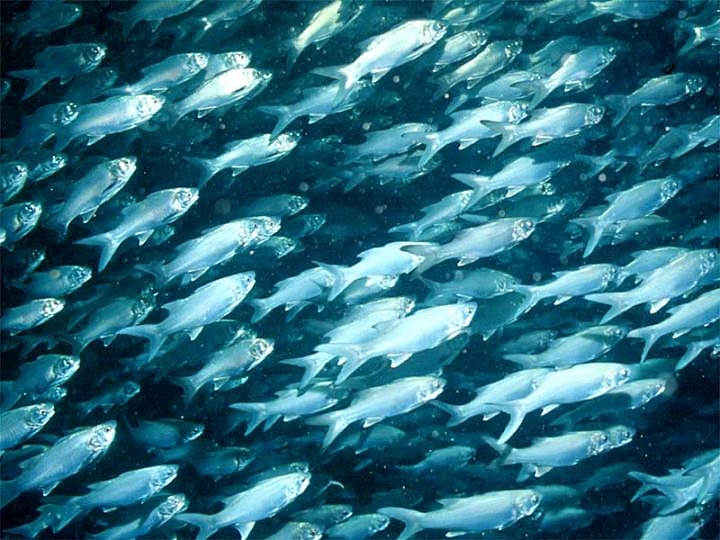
x=602 y=177
x=501 y=213
x=304 y=186
x=366 y=126
x=396 y=79
x=537 y=276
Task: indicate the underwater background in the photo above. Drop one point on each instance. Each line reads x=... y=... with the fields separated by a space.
x=352 y=202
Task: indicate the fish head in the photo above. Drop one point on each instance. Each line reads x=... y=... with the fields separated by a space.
x=463 y=315
x=609 y=274
x=526 y=503
x=522 y=228
x=616 y=376
x=162 y=476
x=433 y=31
x=608 y=54
x=593 y=114
x=122 y=168
x=57 y=161
x=192 y=432
x=236 y=59
x=518 y=111
x=297 y=203
x=101 y=436
x=130 y=389
x=39 y=415
x=599 y=443
x=653 y=389
x=79 y=275
x=196 y=62
x=430 y=388
x=694 y=84
x=513 y=48
x=267 y=226
x=51 y=306
x=65 y=113
x=142 y=306
x=174 y=504
x=14 y=173
x=29 y=213
x=65 y=366
x=259 y=349
x=93 y=54
x=619 y=435
x=708 y=260
x=146 y=105
x=296 y=483
x=285 y=142
x=615 y=333
x=241 y=283
x=669 y=188
x=478 y=38
x=184 y=198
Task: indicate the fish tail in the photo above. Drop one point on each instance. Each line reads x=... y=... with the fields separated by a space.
x=531 y=294
x=9 y=395
x=476 y=183
x=650 y=336
x=262 y=307
x=208 y=166
x=697 y=36
x=335 y=423
x=65 y=513
x=517 y=415
x=595 y=229
x=149 y=332
x=342 y=74
x=411 y=518
x=34 y=79
x=255 y=413
x=282 y=113
x=189 y=387
x=620 y=106
x=106 y=242
x=410 y=229
x=351 y=354
x=340 y=281
x=201 y=521
x=312 y=364
x=618 y=302
x=501 y=448
x=508 y=134
x=525 y=360
x=455 y=412
x=433 y=145
x=156 y=270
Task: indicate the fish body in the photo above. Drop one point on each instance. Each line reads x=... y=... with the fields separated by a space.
x=66 y=457
x=141 y=219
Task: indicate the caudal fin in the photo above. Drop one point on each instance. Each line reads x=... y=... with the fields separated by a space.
x=208 y=166
x=340 y=280
x=517 y=415
x=149 y=332
x=620 y=106
x=433 y=145
x=106 y=242
x=509 y=135
x=340 y=73
x=619 y=302
x=34 y=78
x=650 y=335
x=595 y=229
x=350 y=354
x=335 y=423
x=312 y=364
x=255 y=412
x=282 y=113
x=411 y=518
x=189 y=387
x=455 y=412
x=203 y=522
x=262 y=307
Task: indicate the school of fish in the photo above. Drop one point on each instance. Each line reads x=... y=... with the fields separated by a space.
x=358 y=269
